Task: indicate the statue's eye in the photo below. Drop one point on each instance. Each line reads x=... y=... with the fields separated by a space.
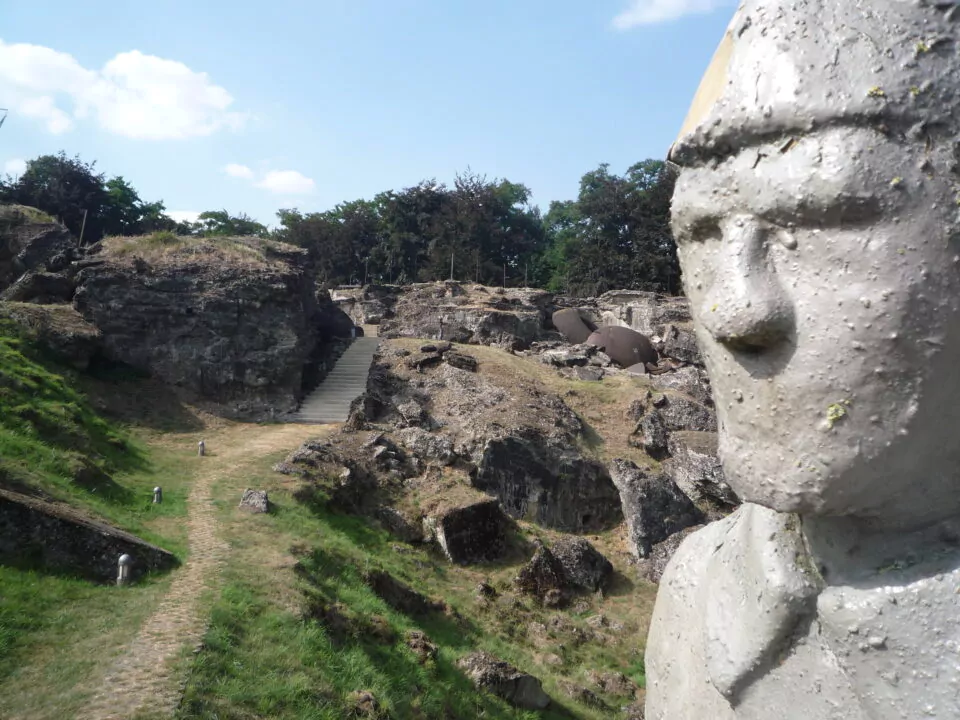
x=705 y=227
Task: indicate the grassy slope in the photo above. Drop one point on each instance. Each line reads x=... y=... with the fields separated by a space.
x=265 y=657
x=53 y=628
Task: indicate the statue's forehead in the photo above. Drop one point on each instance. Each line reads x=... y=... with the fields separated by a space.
x=793 y=66
x=824 y=163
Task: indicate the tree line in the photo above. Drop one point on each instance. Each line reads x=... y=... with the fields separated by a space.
x=616 y=234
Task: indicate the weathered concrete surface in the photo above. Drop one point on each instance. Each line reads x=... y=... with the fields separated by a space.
x=816 y=219
x=34 y=533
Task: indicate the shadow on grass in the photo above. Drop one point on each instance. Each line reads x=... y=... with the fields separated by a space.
x=620 y=585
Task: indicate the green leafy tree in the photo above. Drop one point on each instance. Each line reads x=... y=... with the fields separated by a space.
x=65 y=188
x=617 y=233
x=213 y=223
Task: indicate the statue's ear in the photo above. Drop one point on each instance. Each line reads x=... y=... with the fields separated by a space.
x=762 y=584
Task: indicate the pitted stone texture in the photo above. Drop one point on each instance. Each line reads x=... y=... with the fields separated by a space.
x=255 y=501
x=833 y=370
x=583 y=565
x=543 y=578
x=689 y=380
x=680 y=343
x=653 y=506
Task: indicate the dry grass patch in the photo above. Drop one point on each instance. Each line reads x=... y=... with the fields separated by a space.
x=602 y=406
x=165 y=248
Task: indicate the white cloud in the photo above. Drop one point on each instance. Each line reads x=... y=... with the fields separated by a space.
x=650 y=12
x=238 y=171
x=15 y=167
x=288 y=182
x=134 y=95
x=184 y=215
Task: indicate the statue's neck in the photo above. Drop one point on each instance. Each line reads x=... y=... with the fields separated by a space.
x=849 y=550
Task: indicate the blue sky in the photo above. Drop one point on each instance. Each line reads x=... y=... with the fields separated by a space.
x=257 y=106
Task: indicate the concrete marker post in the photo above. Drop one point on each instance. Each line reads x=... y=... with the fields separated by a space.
x=123 y=569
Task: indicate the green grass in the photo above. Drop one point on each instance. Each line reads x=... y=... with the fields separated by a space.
x=273 y=651
x=52 y=440
x=54 y=631
x=54 y=628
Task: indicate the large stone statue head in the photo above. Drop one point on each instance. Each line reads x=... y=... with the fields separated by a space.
x=818 y=224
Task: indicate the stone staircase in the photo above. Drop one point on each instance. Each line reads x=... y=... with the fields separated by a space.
x=330 y=402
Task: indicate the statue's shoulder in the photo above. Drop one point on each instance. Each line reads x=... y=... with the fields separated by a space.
x=731 y=635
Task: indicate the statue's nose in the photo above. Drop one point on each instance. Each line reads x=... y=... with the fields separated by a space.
x=746 y=307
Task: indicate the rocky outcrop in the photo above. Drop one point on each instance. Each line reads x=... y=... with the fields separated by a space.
x=653 y=506
x=695 y=468
x=28 y=245
x=472 y=533
x=368 y=305
x=43 y=288
x=517 y=442
x=583 y=566
x=647 y=313
x=470 y=314
x=543 y=578
x=503 y=680
x=255 y=502
x=55 y=538
x=235 y=323
x=653 y=567
x=546 y=481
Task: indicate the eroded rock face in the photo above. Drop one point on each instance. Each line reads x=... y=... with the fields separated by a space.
x=653 y=567
x=472 y=533
x=368 y=305
x=26 y=246
x=583 y=565
x=237 y=336
x=653 y=506
x=543 y=577
x=471 y=314
x=544 y=482
x=518 y=443
x=695 y=468
x=647 y=313
x=489 y=673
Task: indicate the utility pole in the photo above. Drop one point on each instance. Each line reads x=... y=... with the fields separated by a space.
x=451 y=264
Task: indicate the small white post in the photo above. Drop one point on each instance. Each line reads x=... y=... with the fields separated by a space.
x=201 y=448
x=123 y=569
x=157 y=495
